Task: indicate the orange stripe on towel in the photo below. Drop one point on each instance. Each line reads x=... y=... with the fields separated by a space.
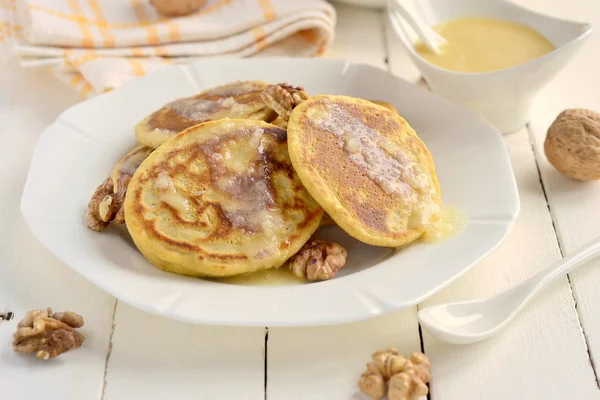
x=88 y=38
x=140 y=11
x=107 y=37
x=268 y=10
x=138 y=68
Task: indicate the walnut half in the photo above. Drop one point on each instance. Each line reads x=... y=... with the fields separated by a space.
x=283 y=98
x=48 y=334
x=106 y=204
x=318 y=260
x=407 y=377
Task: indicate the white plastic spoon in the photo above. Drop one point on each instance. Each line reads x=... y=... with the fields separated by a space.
x=397 y=11
x=472 y=321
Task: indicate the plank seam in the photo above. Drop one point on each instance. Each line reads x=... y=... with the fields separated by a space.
x=585 y=336
x=265 y=358
x=109 y=350
x=562 y=254
x=386 y=44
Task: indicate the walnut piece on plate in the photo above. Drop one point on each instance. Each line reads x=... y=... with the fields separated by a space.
x=106 y=204
x=318 y=260
x=48 y=334
x=283 y=98
x=407 y=377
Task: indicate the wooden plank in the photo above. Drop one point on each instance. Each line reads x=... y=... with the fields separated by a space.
x=31 y=277
x=156 y=358
x=574 y=205
x=326 y=362
x=542 y=354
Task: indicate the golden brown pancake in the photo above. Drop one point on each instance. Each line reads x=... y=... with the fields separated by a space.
x=386 y=105
x=366 y=167
x=234 y=100
x=280 y=122
x=130 y=162
x=327 y=220
x=220 y=199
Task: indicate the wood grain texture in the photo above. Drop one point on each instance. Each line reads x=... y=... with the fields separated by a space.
x=574 y=205
x=156 y=358
x=31 y=277
x=326 y=362
x=545 y=343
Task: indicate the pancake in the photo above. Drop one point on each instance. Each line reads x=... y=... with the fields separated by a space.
x=366 y=167
x=234 y=100
x=220 y=199
x=326 y=220
x=130 y=162
x=386 y=105
x=280 y=122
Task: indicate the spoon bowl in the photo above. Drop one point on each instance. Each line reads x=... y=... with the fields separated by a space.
x=472 y=321
x=469 y=321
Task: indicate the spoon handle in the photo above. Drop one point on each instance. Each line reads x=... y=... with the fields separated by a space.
x=430 y=37
x=566 y=265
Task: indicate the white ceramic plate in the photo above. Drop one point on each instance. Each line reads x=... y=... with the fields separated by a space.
x=77 y=152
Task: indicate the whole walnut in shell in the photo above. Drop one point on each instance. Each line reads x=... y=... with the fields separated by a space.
x=573 y=144
x=177 y=8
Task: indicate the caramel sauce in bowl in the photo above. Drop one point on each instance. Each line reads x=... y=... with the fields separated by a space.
x=502 y=96
x=476 y=45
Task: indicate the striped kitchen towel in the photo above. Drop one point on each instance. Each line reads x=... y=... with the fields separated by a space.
x=97 y=45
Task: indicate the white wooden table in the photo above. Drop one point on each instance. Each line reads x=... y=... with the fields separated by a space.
x=548 y=352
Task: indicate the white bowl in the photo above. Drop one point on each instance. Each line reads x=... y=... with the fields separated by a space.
x=76 y=153
x=503 y=97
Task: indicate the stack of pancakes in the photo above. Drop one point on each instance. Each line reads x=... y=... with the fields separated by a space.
x=217 y=190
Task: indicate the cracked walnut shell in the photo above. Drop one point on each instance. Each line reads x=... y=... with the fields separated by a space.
x=572 y=144
x=283 y=98
x=48 y=334
x=318 y=260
